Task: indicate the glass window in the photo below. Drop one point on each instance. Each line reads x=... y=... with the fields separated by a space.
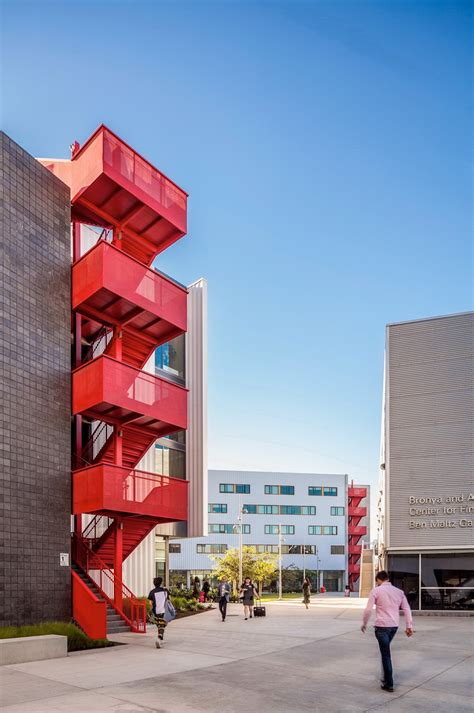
x=170 y=461
x=250 y=509
x=226 y=488
x=455 y=599
x=211 y=549
x=275 y=529
x=447 y=570
x=170 y=357
x=279 y=490
x=329 y=491
x=322 y=530
x=227 y=529
x=174 y=548
x=337 y=549
x=308 y=510
x=313 y=490
x=217 y=507
x=403 y=571
x=337 y=510
x=242 y=489
x=271 y=490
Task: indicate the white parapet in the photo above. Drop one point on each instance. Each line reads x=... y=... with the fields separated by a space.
x=32 y=648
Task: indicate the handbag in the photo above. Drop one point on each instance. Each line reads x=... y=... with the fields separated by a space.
x=170 y=611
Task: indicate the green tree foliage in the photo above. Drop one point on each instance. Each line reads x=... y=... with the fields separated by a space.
x=259 y=567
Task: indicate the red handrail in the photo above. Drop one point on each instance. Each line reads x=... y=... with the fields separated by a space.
x=133 y=610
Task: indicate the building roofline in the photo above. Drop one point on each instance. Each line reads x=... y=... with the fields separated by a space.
x=429 y=319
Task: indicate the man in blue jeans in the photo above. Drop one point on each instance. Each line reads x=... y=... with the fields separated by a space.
x=388 y=601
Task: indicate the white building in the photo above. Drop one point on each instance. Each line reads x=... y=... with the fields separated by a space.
x=311 y=510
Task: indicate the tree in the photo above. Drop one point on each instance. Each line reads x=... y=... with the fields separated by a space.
x=256 y=566
x=264 y=568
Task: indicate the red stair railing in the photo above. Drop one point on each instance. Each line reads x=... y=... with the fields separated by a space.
x=132 y=610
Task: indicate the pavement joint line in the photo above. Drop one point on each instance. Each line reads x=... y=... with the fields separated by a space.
x=423 y=683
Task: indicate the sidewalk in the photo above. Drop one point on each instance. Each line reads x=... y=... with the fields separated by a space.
x=293 y=659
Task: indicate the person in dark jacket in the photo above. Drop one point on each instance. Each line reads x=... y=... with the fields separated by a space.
x=223 y=593
x=206 y=588
x=158 y=597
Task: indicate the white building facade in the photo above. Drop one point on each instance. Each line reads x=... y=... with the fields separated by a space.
x=310 y=509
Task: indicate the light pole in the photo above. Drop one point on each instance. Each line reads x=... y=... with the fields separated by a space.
x=304 y=559
x=242 y=512
x=279 y=562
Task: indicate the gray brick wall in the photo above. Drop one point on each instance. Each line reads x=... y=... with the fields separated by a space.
x=35 y=433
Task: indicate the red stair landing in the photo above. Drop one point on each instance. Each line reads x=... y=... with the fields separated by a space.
x=112 y=185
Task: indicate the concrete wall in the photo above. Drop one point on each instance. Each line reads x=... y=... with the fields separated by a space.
x=429 y=433
x=35 y=432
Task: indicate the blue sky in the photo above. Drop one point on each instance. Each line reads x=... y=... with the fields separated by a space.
x=326 y=148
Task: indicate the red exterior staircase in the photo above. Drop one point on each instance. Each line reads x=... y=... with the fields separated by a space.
x=122 y=311
x=355 y=513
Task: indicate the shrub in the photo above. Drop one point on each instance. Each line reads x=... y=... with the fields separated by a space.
x=77 y=640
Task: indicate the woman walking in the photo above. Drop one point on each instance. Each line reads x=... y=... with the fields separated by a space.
x=247 y=593
x=306 y=592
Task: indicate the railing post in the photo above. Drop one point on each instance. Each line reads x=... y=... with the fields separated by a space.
x=118 y=446
x=118 y=562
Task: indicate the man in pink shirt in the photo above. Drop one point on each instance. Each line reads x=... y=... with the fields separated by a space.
x=388 y=601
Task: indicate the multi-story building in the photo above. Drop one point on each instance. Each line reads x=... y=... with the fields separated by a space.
x=129 y=418
x=426 y=502
x=323 y=522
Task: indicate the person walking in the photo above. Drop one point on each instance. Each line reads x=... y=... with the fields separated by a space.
x=347 y=590
x=306 y=592
x=158 y=597
x=206 y=588
x=247 y=594
x=388 y=601
x=223 y=593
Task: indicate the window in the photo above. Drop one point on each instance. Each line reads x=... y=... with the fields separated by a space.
x=275 y=529
x=234 y=488
x=337 y=510
x=280 y=509
x=174 y=549
x=211 y=549
x=279 y=490
x=170 y=357
x=337 y=549
x=227 y=529
x=217 y=507
x=322 y=530
x=170 y=459
x=319 y=490
x=273 y=549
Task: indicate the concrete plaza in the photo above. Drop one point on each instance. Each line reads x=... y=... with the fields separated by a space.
x=316 y=660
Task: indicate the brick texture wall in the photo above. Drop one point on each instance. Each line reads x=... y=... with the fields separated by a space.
x=35 y=440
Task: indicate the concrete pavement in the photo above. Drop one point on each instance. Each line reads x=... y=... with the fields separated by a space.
x=293 y=659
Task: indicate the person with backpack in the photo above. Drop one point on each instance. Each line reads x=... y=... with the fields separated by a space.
x=223 y=593
x=159 y=597
x=306 y=592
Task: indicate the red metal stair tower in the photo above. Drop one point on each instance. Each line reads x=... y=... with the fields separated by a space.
x=122 y=310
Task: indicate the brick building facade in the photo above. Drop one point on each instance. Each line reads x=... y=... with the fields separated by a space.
x=35 y=428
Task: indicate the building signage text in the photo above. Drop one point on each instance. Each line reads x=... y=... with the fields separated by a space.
x=438 y=512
